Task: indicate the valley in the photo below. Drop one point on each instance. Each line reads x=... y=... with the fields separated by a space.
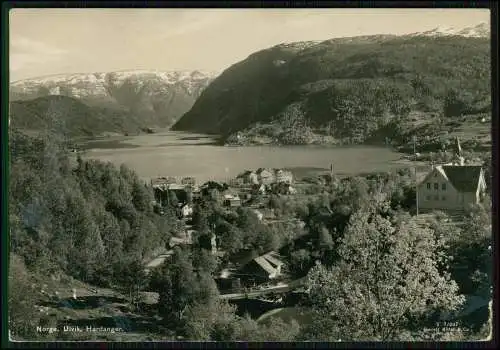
x=331 y=190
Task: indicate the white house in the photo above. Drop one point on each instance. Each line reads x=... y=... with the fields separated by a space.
x=451 y=188
x=187 y=210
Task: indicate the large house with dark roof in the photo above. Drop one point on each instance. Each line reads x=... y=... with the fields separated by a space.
x=451 y=188
x=261 y=269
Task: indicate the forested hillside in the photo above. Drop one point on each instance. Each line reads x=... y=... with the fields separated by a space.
x=88 y=220
x=348 y=90
x=72 y=117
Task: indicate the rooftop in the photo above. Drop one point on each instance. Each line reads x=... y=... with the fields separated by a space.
x=464 y=178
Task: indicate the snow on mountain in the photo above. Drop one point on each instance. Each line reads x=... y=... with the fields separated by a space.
x=299 y=45
x=88 y=84
x=161 y=96
x=481 y=30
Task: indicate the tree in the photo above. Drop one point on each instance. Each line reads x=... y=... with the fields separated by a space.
x=172 y=199
x=180 y=287
x=133 y=279
x=200 y=219
x=472 y=263
x=204 y=260
x=87 y=223
x=23 y=318
x=325 y=239
x=214 y=195
x=456 y=104
x=177 y=288
x=276 y=329
x=230 y=237
x=141 y=197
x=386 y=278
x=299 y=261
x=215 y=321
x=189 y=196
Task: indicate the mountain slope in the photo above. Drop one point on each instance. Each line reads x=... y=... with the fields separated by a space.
x=160 y=98
x=69 y=116
x=346 y=89
x=481 y=30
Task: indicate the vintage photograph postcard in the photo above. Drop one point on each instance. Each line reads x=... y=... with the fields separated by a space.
x=251 y=175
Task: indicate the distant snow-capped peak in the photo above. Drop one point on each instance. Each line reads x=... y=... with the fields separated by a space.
x=98 y=84
x=482 y=30
x=167 y=76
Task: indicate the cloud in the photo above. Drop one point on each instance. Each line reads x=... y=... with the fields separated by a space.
x=25 y=52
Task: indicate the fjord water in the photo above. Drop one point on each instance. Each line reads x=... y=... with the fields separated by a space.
x=182 y=154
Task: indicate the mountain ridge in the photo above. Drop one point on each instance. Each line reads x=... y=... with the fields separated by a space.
x=161 y=97
x=348 y=89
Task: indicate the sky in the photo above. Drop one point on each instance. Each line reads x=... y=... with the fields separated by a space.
x=55 y=41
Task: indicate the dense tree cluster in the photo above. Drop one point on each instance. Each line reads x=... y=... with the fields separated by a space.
x=88 y=219
x=235 y=230
x=385 y=280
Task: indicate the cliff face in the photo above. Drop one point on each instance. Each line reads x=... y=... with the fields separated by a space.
x=159 y=98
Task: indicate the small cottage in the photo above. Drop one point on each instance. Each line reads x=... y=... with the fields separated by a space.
x=162 y=181
x=232 y=200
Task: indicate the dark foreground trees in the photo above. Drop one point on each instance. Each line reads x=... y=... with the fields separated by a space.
x=386 y=282
x=85 y=219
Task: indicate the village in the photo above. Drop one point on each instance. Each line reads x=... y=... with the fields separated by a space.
x=449 y=188
x=263 y=281
x=246 y=273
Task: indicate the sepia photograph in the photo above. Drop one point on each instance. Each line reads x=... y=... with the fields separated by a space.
x=254 y=175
